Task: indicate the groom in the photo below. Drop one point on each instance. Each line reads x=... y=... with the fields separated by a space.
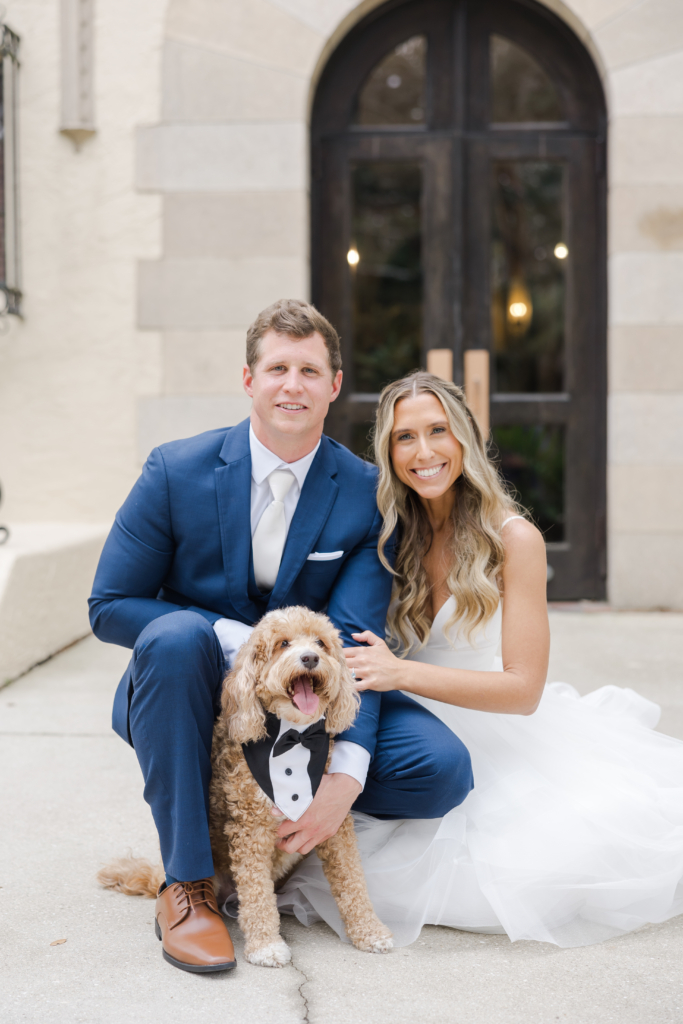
x=218 y=530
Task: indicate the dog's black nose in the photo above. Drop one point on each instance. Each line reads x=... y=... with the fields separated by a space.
x=309 y=659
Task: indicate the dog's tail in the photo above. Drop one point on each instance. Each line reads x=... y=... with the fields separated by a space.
x=133 y=876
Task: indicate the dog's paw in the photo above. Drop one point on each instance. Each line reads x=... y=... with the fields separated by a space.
x=376 y=943
x=275 y=954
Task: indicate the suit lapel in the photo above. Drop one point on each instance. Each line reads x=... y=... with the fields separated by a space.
x=314 y=506
x=233 y=493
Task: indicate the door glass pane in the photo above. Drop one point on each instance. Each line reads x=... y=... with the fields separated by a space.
x=528 y=265
x=520 y=89
x=394 y=92
x=385 y=262
x=532 y=461
x=361 y=442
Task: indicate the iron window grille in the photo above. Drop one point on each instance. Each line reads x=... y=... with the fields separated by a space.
x=10 y=280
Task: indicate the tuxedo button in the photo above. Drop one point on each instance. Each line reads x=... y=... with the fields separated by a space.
x=288 y=771
x=295 y=796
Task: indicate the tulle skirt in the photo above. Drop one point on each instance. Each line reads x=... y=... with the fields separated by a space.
x=573 y=833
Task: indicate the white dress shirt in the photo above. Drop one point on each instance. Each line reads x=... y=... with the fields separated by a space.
x=263 y=462
x=347 y=758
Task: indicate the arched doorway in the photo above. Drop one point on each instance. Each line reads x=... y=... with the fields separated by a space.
x=458 y=202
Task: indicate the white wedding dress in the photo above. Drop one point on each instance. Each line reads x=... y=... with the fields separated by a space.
x=572 y=834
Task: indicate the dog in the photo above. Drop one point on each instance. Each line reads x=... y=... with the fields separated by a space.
x=290 y=681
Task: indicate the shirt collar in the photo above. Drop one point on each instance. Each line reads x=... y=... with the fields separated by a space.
x=263 y=461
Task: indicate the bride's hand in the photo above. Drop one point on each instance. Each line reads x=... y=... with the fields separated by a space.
x=376 y=668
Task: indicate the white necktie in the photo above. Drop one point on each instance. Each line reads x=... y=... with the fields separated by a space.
x=269 y=537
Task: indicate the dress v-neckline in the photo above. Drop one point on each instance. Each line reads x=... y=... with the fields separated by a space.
x=434 y=620
x=451 y=598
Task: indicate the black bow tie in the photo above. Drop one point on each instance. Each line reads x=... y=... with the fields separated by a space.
x=314 y=739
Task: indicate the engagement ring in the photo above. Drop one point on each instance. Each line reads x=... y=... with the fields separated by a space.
x=353 y=673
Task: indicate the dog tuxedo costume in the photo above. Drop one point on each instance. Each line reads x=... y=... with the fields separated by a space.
x=289 y=763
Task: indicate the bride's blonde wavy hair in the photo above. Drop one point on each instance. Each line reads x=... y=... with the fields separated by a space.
x=481 y=504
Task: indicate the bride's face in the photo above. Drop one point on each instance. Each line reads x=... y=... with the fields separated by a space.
x=425 y=454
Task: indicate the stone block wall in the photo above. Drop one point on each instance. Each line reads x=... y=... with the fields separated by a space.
x=229 y=159
x=642 y=47
x=72 y=369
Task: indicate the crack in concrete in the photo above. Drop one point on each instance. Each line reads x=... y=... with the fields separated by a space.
x=298 y=970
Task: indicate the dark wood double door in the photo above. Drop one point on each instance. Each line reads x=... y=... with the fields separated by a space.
x=458 y=202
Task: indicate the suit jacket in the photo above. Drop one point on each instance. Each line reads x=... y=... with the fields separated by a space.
x=182 y=540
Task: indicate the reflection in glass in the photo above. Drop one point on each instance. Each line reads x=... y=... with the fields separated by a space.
x=528 y=276
x=532 y=462
x=520 y=89
x=387 y=280
x=394 y=92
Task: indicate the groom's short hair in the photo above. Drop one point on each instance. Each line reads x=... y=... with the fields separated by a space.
x=297 y=319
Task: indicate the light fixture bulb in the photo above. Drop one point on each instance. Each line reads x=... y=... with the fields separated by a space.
x=561 y=251
x=520 y=308
x=352 y=257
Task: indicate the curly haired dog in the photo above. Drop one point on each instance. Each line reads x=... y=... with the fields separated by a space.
x=292 y=667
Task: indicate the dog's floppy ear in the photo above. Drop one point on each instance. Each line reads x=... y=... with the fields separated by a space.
x=241 y=707
x=342 y=711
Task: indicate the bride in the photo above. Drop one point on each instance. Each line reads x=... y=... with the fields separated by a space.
x=574 y=830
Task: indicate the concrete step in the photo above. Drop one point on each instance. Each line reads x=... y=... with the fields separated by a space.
x=46 y=573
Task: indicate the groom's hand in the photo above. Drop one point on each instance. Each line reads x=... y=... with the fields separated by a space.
x=321 y=821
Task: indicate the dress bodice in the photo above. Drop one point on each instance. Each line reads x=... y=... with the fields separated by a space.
x=479 y=654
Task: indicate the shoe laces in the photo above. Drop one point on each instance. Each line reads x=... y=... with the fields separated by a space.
x=190 y=895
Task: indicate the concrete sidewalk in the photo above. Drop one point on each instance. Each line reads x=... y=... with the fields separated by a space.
x=71 y=798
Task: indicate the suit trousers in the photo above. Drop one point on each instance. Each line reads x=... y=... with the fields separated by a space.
x=420 y=769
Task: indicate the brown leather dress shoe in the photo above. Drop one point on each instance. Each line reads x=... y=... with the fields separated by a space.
x=191 y=929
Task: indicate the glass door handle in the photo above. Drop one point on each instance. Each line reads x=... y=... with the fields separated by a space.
x=477 y=386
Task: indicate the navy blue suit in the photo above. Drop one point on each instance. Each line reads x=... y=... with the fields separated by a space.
x=178 y=558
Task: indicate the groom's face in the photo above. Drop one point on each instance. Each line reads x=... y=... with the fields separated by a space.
x=292 y=384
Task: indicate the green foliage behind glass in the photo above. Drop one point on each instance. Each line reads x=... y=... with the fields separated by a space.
x=387 y=282
x=532 y=462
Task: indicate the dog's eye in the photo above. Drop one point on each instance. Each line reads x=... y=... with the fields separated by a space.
x=285 y=643
x=320 y=644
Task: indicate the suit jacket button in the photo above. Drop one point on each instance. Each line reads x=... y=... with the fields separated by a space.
x=288 y=771
x=295 y=796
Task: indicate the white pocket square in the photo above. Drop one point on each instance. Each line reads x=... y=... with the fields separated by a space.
x=324 y=556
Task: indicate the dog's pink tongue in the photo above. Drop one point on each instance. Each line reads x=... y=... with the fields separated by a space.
x=304 y=697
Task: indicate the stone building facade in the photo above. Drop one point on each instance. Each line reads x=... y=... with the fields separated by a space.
x=150 y=239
